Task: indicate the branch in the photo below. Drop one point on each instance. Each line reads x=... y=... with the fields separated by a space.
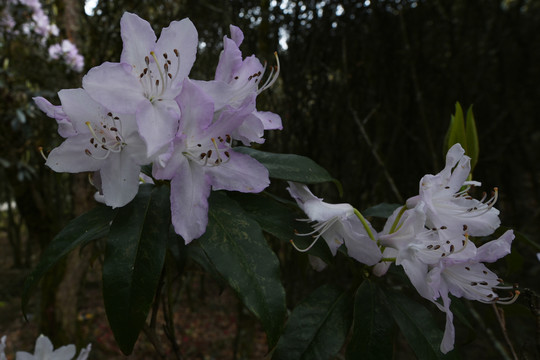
x=374 y=152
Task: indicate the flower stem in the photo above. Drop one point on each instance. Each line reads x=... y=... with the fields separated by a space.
x=396 y=221
x=365 y=223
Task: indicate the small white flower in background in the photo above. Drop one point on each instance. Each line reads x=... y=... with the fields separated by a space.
x=2 y=347
x=44 y=350
x=538 y=256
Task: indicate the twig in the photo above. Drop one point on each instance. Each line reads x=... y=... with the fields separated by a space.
x=168 y=313
x=150 y=329
x=496 y=343
x=152 y=337
x=374 y=152
x=502 y=322
x=419 y=96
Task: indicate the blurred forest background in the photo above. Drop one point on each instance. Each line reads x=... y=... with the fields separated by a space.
x=366 y=90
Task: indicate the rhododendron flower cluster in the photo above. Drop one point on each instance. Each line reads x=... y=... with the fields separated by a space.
x=69 y=53
x=38 y=25
x=146 y=110
x=430 y=237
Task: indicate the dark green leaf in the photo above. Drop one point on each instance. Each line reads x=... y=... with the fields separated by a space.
x=290 y=167
x=197 y=254
x=382 y=210
x=236 y=246
x=89 y=226
x=133 y=263
x=317 y=327
x=281 y=221
x=417 y=325
x=373 y=328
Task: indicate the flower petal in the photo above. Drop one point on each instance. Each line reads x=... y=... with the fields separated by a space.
x=80 y=108
x=138 y=38
x=314 y=207
x=158 y=124
x=359 y=245
x=447 y=343
x=270 y=120
x=70 y=156
x=83 y=355
x=43 y=348
x=180 y=36
x=417 y=272
x=251 y=130
x=63 y=353
x=196 y=107
x=230 y=60
x=65 y=127
x=113 y=86
x=189 y=201
x=241 y=173
x=119 y=179
x=381 y=268
x=495 y=249
x=236 y=34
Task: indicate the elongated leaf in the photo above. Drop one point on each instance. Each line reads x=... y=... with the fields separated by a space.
x=317 y=327
x=417 y=325
x=89 y=226
x=290 y=167
x=281 y=221
x=197 y=254
x=457 y=134
x=373 y=326
x=236 y=246
x=456 y=130
x=133 y=263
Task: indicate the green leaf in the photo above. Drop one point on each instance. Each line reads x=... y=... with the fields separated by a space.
x=281 y=221
x=373 y=327
x=456 y=130
x=290 y=167
x=317 y=327
x=417 y=325
x=236 y=246
x=87 y=227
x=133 y=263
x=197 y=254
x=382 y=210
x=472 y=148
